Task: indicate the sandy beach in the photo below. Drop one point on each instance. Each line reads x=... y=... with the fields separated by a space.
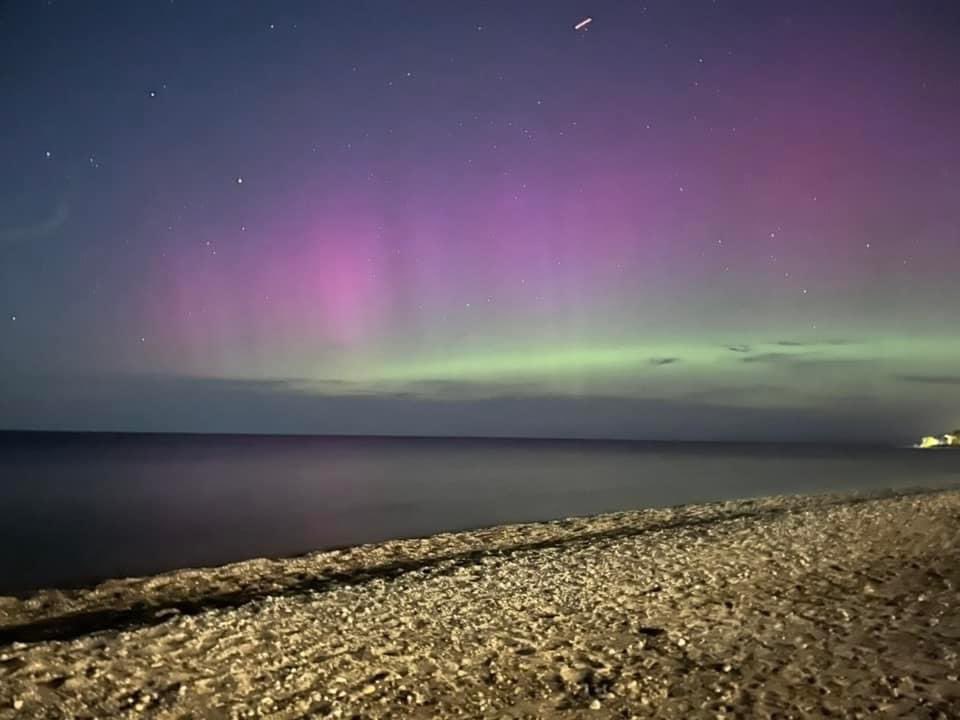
x=787 y=607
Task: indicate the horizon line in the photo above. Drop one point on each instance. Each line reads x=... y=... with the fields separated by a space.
x=398 y=436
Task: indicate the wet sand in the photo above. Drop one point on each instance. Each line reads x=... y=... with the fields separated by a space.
x=804 y=607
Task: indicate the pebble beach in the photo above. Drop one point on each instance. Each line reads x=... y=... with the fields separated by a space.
x=782 y=607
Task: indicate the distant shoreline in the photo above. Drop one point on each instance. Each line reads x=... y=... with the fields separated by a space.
x=40 y=433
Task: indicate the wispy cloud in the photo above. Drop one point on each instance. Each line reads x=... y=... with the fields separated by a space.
x=664 y=361
x=439 y=389
x=192 y=404
x=815 y=343
x=931 y=379
x=13 y=235
x=805 y=360
x=798 y=353
x=817 y=361
x=771 y=357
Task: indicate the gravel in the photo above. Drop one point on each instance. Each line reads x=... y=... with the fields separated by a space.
x=792 y=607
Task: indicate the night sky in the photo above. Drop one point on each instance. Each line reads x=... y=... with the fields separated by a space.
x=689 y=220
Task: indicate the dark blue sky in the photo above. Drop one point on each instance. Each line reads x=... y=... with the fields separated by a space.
x=703 y=219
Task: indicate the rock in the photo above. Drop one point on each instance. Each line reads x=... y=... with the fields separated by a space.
x=572 y=676
x=595 y=705
x=17 y=703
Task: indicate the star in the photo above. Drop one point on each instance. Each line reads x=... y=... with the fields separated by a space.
x=239 y=181
x=13 y=318
x=48 y=154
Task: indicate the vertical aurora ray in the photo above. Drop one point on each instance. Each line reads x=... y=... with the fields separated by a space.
x=684 y=202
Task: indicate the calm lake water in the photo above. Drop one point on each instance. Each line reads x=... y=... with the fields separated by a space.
x=77 y=507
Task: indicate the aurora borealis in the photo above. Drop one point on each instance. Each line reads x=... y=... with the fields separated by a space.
x=716 y=219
